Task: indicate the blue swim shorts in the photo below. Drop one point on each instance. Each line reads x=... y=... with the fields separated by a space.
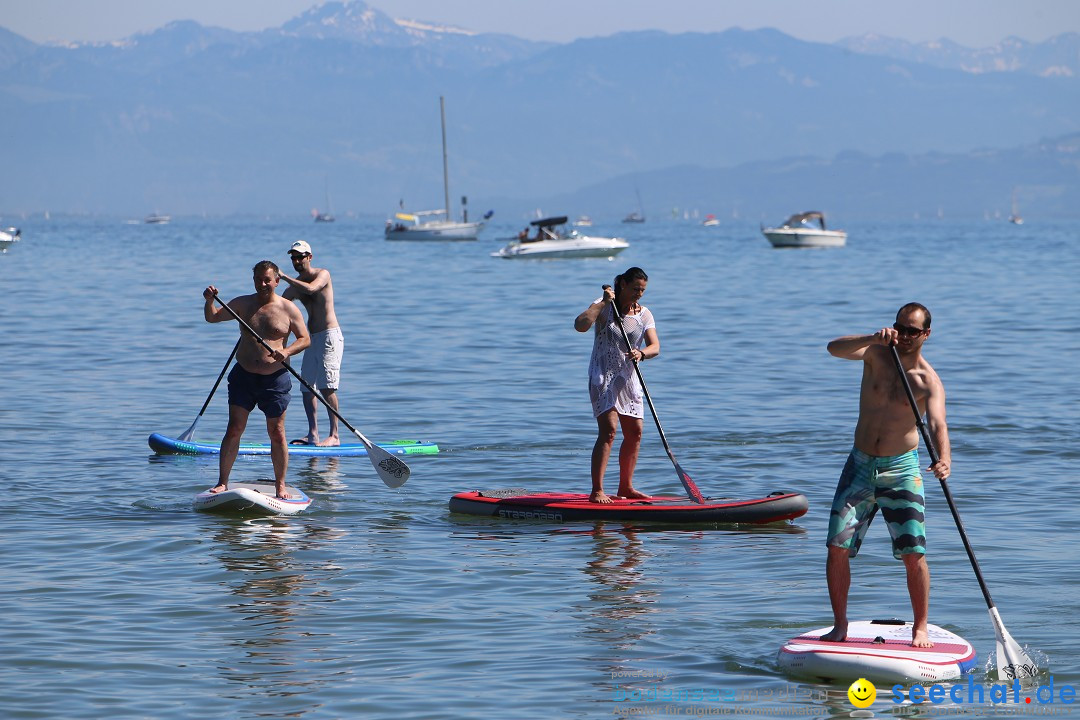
x=892 y=483
x=269 y=392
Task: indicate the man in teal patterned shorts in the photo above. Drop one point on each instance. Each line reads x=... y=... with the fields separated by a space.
x=882 y=470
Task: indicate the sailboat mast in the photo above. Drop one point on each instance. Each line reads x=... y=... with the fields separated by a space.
x=445 y=168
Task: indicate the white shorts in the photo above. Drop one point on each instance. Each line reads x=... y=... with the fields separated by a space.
x=322 y=360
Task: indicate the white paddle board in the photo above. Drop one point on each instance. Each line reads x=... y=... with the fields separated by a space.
x=880 y=651
x=252 y=499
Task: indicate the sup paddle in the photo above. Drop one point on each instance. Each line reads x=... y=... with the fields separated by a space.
x=688 y=484
x=1012 y=661
x=190 y=432
x=392 y=471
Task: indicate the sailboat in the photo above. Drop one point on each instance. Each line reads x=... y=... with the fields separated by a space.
x=435 y=224
x=324 y=216
x=1015 y=218
x=638 y=216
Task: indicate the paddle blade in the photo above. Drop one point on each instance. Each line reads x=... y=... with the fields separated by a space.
x=1012 y=662
x=391 y=470
x=691 y=488
x=189 y=433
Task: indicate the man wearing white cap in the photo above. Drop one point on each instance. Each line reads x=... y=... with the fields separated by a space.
x=322 y=360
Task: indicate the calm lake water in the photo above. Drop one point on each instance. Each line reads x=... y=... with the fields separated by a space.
x=120 y=602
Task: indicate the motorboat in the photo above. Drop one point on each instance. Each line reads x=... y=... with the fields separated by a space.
x=583 y=221
x=435 y=224
x=8 y=237
x=710 y=221
x=551 y=242
x=805 y=230
x=157 y=219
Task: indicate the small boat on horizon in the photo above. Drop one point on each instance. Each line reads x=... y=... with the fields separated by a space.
x=8 y=237
x=156 y=219
x=637 y=216
x=799 y=230
x=583 y=221
x=710 y=220
x=320 y=216
x=1014 y=217
x=551 y=243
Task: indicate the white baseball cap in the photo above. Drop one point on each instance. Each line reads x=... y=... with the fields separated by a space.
x=300 y=247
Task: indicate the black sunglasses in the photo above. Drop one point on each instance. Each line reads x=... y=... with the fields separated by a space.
x=907 y=330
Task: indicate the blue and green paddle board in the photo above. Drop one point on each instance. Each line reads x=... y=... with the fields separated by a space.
x=170 y=446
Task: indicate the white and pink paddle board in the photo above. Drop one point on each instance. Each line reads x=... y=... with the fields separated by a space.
x=880 y=651
x=252 y=499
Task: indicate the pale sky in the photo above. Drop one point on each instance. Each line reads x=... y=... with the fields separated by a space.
x=973 y=23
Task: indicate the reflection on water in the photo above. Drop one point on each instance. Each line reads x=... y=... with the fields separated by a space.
x=622 y=598
x=318 y=475
x=274 y=590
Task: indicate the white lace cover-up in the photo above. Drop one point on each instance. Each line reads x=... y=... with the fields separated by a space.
x=612 y=380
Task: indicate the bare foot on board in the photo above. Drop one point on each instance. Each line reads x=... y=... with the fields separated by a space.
x=633 y=494
x=837 y=634
x=331 y=441
x=920 y=639
x=600 y=497
x=220 y=487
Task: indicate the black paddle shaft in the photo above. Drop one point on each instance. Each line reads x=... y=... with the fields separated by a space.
x=288 y=367
x=220 y=375
x=688 y=484
x=932 y=452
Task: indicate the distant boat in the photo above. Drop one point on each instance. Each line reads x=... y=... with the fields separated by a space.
x=324 y=216
x=799 y=231
x=550 y=242
x=156 y=219
x=416 y=226
x=8 y=237
x=583 y=221
x=1015 y=218
x=638 y=216
x=710 y=221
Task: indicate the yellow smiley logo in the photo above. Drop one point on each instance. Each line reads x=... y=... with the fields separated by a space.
x=862 y=693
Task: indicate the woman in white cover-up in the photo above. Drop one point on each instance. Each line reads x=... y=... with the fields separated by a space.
x=614 y=388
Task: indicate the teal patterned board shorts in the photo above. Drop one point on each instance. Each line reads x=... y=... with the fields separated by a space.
x=893 y=484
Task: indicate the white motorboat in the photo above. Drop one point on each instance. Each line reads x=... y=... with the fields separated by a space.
x=550 y=243
x=8 y=237
x=710 y=221
x=435 y=224
x=583 y=221
x=157 y=219
x=799 y=230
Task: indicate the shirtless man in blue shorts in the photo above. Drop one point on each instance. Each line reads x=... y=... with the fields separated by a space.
x=259 y=378
x=882 y=470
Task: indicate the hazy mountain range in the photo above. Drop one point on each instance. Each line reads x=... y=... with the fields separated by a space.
x=191 y=119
